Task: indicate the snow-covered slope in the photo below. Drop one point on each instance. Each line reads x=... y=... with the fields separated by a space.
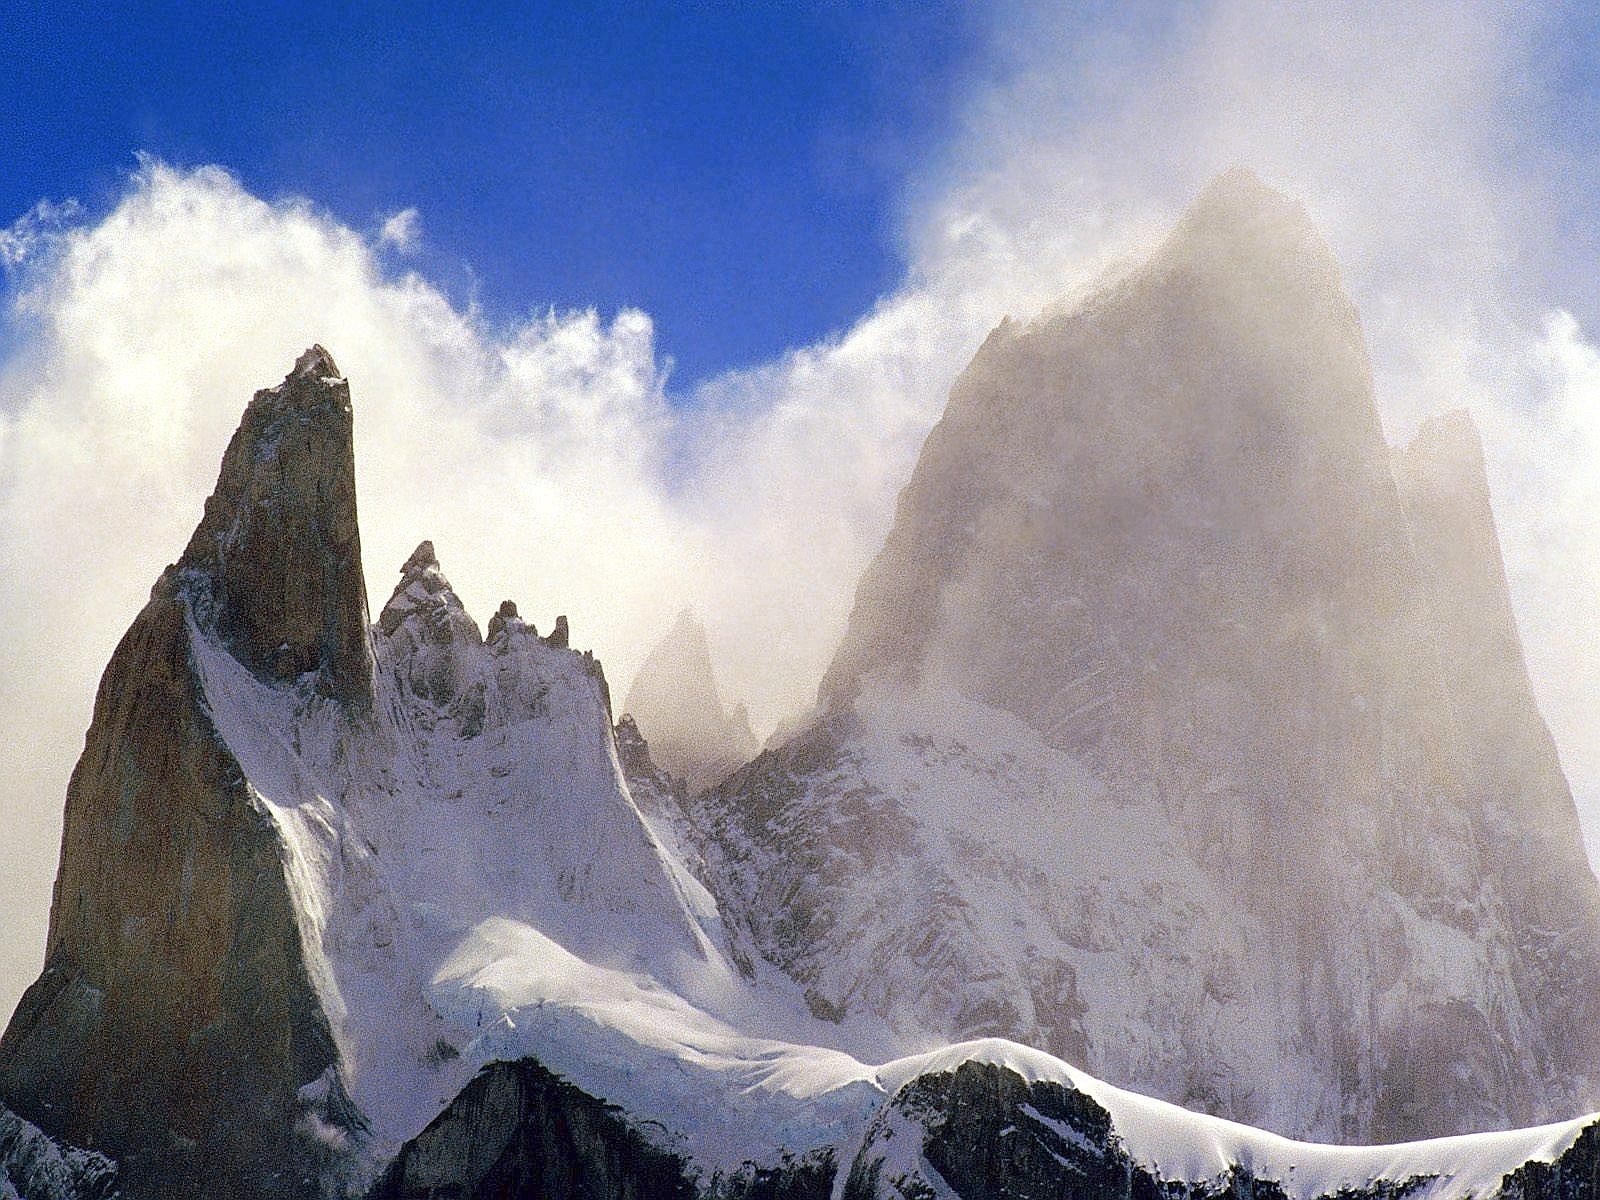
x=480 y=807
x=1152 y=739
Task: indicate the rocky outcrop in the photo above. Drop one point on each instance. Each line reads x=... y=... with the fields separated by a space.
x=519 y=1131
x=674 y=700
x=977 y=1131
x=1156 y=702
x=34 y=1167
x=1573 y=1175
x=275 y=564
x=982 y=1132
x=175 y=1027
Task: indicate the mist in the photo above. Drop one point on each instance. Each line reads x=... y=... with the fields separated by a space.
x=552 y=462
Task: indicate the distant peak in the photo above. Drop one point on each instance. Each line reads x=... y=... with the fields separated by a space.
x=315 y=363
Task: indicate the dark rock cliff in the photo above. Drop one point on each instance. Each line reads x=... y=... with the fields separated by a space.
x=174 y=1027
x=519 y=1132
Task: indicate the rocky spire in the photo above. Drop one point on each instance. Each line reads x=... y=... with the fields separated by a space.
x=425 y=594
x=274 y=567
x=175 y=1026
x=505 y=622
x=676 y=703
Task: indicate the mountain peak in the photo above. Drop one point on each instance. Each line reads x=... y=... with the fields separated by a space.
x=421 y=559
x=676 y=701
x=274 y=567
x=315 y=363
x=1447 y=437
x=1240 y=188
x=423 y=590
x=1249 y=234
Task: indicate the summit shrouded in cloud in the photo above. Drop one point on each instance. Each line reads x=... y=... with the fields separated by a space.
x=1181 y=729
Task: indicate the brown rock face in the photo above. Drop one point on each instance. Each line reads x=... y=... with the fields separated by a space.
x=279 y=550
x=174 y=1023
x=175 y=1026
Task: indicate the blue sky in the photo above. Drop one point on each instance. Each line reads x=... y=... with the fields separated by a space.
x=733 y=169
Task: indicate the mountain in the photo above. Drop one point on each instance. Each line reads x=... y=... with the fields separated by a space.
x=675 y=702
x=286 y=822
x=397 y=909
x=1181 y=730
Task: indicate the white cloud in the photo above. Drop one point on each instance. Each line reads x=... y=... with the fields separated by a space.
x=402 y=231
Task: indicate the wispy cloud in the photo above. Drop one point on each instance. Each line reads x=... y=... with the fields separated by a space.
x=402 y=231
x=34 y=229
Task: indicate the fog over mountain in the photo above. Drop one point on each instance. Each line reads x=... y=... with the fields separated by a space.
x=1181 y=730
x=676 y=701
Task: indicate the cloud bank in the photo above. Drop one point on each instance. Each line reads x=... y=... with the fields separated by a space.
x=547 y=464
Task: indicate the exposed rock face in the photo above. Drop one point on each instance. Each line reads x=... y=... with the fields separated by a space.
x=279 y=550
x=175 y=1026
x=982 y=1132
x=1151 y=698
x=517 y=1130
x=674 y=699
x=979 y=1131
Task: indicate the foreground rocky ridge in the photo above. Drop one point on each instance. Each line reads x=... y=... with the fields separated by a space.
x=977 y=1128
x=34 y=1167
